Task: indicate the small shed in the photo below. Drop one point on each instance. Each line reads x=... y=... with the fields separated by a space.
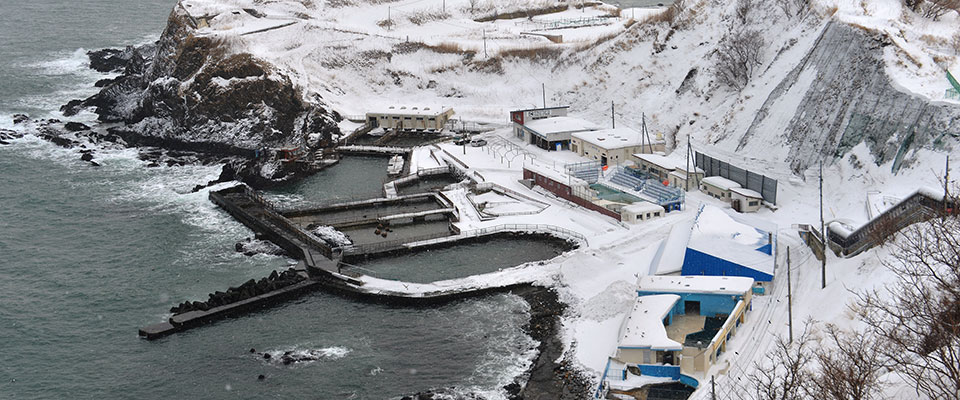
x=718 y=186
x=640 y=211
x=745 y=200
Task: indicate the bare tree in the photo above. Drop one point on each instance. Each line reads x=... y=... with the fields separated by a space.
x=956 y=43
x=743 y=10
x=783 y=373
x=848 y=367
x=793 y=8
x=917 y=319
x=737 y=56
x=936 y=9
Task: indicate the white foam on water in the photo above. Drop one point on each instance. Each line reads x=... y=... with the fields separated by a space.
x=509 y=352
x=72 y=63
x=311 y=355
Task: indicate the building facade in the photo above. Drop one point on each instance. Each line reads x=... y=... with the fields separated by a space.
x=612 y=146
x=547 y=128
x=410 y=119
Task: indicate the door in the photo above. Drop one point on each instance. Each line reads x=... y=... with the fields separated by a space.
x=603 y=160
x=691 y=307
x=373 y=122
x=736 y=205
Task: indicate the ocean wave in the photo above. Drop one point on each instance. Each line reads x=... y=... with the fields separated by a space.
x=73 y=63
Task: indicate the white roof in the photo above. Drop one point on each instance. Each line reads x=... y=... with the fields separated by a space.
x=641 y=207
x=746 y=192
x=662 y=162
x=732 y=285
x=672 y=251
x=720 y=235
x=411 y=110
x=643 y=327
x=611 y=138
x=720 y=182
x=547 y=126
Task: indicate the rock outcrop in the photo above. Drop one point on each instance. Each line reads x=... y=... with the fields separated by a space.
x=191 y=91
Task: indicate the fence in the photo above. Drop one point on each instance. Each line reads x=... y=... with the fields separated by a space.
x=767 y=187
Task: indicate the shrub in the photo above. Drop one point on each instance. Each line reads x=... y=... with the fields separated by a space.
x=737 y=56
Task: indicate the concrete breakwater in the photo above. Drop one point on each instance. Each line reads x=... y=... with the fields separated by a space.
x=320 y=267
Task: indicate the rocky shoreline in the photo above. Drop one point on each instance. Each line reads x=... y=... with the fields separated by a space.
x=546 y=379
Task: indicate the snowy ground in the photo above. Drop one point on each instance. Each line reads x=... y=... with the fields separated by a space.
x=357 y=55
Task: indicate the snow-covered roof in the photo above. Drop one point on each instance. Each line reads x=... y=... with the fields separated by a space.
x=718 y=234
x=611 y=138
x=411 y=110
x=673 y=249
x=641 y=207
x=643 y=328
x=720 y=182
x=747 y=192
x=662 y=161
x=547 y=126
x=732 y=285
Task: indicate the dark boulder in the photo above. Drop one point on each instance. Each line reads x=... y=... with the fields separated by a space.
x=86 y=157
x=75 y=127
x=108 y=60
x=20 y=118
x=103 y=82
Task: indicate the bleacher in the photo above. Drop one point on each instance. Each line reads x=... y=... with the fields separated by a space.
x=626 y=179
x=665 y=195
x=588 y=171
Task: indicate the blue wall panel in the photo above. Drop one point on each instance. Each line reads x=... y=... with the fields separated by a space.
x=663 y=371
x=710 y=304
x=698 y=263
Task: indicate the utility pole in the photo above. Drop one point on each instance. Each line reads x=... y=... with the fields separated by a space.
x=789 y=296
x=686 y=180
x=713 y=389
x=484 y=43
x=543 y=89
x=444 y=6
x=823 y=236
x=389 y=19
x=613 y=119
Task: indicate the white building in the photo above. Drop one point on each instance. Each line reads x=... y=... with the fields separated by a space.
x=548 y=128
x=612 y=145
x=678 y=178
x=410 y=119
x=745 y=200
x=640 y=211
x=718 y=187
x=658 y=165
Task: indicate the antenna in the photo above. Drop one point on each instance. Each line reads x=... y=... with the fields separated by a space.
x=543 y=88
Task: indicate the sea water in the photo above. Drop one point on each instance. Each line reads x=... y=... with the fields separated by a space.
x=88 y=255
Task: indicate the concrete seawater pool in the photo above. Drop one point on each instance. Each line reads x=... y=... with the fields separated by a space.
x=461 y=259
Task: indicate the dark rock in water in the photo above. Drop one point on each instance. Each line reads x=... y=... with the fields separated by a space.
x=266 y=356
x=153 y=165
x=6 y=134
x=252 y=350
x=20 y=118
x=94 y=163
x=108 y=60
x=4 y=143
x=104 y=82
x=261 y=377
x=71 y=108
x=75 y=127
x=87 y=157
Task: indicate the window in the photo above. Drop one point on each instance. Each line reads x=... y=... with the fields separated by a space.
x=754 y=203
